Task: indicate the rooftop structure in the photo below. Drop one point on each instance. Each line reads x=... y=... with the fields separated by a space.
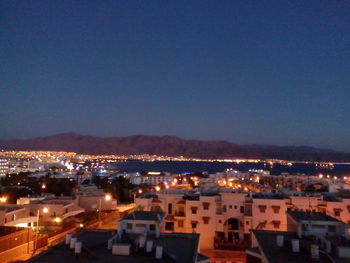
x=137 y=240
x=311 y=237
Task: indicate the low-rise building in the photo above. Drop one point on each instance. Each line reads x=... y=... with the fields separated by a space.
x=16 y=215
x=138 y=239
x=311 y=237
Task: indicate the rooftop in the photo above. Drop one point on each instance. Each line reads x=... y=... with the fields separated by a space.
x=10 y=208
x=176 y=248
x=145 y=215
x=311 y=216
x=267 y=241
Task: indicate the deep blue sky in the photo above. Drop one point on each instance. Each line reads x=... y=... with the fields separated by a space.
x=271 y=72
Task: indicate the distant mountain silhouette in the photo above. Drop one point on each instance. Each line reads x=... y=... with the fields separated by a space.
x=170 y=146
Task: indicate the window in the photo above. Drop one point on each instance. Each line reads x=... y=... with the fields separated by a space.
x=276 y=224
x=337 y=211
x=220 y=221
x=194 y=210
x=206 y=219
x=230 y=206
x=206 y=205
x=247 y=222
x=169 y=226
x=276 y=209
x=13 y=217
x=152 y=227
x=194 y=224
x=262 y=208
x=170 y=208
x=224 y=208
x=128 y=226
x=242 y=209
x=180 y=223
x=235 y=207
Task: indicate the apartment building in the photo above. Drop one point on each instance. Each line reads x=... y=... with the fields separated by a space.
x=227 y=217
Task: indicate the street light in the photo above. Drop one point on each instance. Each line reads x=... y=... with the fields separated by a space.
x=45 y=210
x=108 y=197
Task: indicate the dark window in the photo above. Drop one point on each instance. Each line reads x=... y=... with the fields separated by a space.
x=169 y=226
x=194 y=225
x=220 y=221
x=224 y=208
x=206 y=205
x=128 y=226
x=152 y=227
x=230 y=206
x=170 y=208
x=235 y=207
x=242 y=209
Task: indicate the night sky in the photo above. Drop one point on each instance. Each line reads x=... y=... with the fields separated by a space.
x=266 y=72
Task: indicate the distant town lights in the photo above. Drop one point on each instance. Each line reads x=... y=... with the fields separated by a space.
x=108 y=197
x=45 y=210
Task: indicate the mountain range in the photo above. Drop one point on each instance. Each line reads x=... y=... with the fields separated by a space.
x=170 y=146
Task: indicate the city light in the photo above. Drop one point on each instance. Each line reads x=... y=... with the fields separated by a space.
x=108 y=197
x=3 y=199
x=157 y=188
x=140 y=191
x=57 y=219
x=45 y=210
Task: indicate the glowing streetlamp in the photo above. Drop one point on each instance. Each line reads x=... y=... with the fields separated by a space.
x=45 y=211
x=108 y=197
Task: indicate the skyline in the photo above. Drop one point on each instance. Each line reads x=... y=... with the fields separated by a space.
x=246 y=72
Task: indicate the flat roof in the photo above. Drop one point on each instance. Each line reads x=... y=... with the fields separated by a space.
x=177 y=248
x=311 y=216
x=267 y=241
x=10 y=208
x=144 y=215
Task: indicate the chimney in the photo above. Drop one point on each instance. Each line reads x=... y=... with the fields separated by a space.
x=280 y=240
x=149 y=246
x=159 y=252
x=78 y=246
x=314 y=250
x=68 y=238
x=295 y=245
x=73 y=240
